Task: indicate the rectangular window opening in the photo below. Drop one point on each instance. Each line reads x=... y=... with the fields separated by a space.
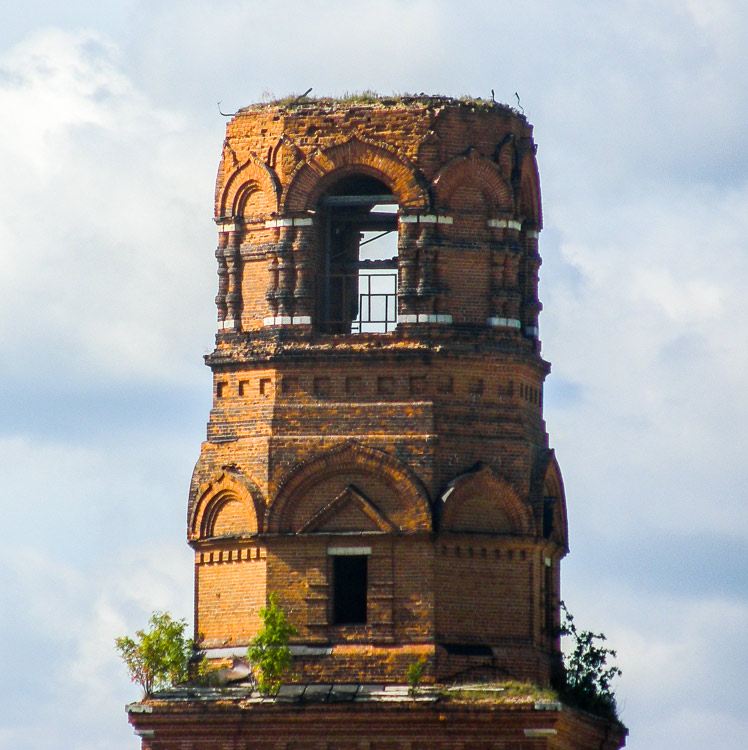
x=350 y=580
x=358 y=293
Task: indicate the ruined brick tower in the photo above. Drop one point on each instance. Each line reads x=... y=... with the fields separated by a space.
x=376 y=454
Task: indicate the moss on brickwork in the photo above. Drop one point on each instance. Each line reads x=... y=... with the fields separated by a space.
x=373 y=98
x=499 y=693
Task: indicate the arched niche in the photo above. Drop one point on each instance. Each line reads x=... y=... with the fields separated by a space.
x=350 y=488
x=481 y=501
x=251 y=189
x=471 y=173
x=529 y=205
x=312 y=178
x=250 y=202
x=548 y=489
x=226 y=506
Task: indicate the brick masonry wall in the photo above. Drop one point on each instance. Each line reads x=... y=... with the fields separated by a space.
x=318 y=441
x=230 y=586
x=226 y=724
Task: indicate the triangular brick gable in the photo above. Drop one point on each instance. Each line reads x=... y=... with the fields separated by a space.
x=349 y=511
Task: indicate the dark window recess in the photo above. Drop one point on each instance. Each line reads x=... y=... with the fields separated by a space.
x=349 y=589
x=358 y=293
x=549 y=504
x=550 y=610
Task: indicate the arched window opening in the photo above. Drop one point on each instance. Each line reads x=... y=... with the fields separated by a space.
x=358 y=293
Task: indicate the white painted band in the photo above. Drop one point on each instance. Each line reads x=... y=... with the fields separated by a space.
x=278 y=320
x=349 y=550
x=505 y=224
x=226 y=652
x=504 y=323
x=424 y=318
x=139 y=708
x=287 y=320
x=425 y=219
x=275 y=223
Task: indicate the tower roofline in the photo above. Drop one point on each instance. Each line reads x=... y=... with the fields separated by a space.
x=371 y=99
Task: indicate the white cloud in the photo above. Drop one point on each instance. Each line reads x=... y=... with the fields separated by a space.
x=681 y=651
x=105 y=241
x=109 y=151
x=673 y=658
x=693 y=302
x=396 y=45
x=96 y=545
x=645 y=326
x=62 y=622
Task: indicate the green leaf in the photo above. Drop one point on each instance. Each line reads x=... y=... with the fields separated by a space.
x=268 y=652
x=157 y=657
x=587 y=674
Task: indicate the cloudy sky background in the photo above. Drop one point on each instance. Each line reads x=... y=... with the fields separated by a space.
x=109 y=144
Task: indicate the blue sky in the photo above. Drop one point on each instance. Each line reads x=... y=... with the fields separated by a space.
x=109 y=149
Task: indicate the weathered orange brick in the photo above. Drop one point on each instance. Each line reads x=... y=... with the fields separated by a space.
x=404 y=417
